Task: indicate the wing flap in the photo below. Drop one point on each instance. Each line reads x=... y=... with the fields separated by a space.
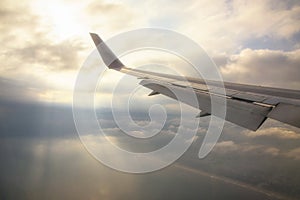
x=247 y=115
x=286 y=113
x=249 y=97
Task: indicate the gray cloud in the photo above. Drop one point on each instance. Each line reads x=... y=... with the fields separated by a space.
x=25 y=42
x=57 y=168
x=44 y=53
x=31 y=120
x=40 y=148
x=15 y=18
x=62 y=169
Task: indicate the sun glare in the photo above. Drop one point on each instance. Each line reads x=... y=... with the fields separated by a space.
x=61 y=18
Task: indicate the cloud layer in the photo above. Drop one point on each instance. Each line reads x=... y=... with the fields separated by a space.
x=247 y=40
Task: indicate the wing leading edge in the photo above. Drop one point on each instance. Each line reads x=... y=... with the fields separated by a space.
x=247 y=105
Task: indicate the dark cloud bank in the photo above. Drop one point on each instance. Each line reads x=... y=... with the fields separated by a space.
x=42 y=158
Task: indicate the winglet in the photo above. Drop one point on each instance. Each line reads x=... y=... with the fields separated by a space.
x=108 y=57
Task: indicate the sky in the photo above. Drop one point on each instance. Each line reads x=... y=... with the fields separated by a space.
x=45 y=43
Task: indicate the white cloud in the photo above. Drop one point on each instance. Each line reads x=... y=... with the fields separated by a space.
x=229 y=146
x=225 y=25
x=264 y=67
x=226 y=146
x=272 y=151
x=277 y=132
x=294 y=153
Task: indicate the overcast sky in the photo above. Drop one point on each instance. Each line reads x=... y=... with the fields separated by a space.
x=48 y=41
x=44 y=44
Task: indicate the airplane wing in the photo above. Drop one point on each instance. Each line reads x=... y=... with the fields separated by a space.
x=247 y=105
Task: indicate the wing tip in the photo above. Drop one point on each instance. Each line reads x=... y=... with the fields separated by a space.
x=109 y=58
x=95 y=37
